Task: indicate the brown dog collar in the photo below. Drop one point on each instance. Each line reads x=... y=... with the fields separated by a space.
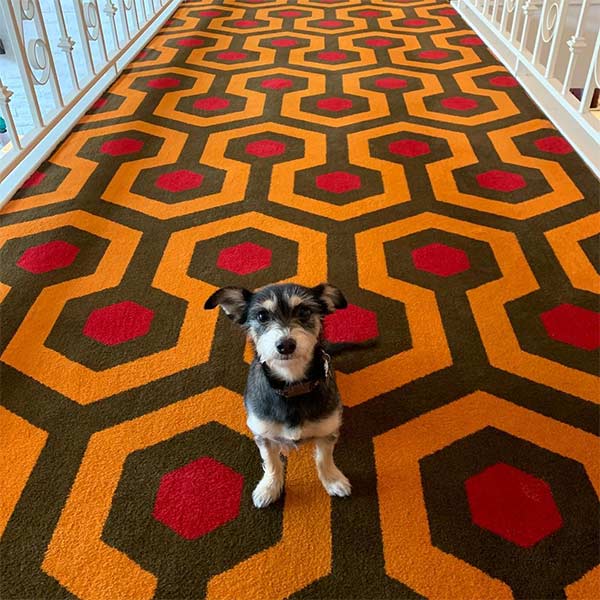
x=305 y=387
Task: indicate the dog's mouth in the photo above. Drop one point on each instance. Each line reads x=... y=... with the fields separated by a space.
x=286 y=357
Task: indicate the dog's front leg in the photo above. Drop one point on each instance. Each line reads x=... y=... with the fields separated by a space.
x=269 y=488
x=333 y=480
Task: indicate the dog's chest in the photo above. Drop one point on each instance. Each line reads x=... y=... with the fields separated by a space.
x=307 y=430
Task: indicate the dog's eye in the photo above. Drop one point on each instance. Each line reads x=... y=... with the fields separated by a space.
x=262 y=316
x=304 y=312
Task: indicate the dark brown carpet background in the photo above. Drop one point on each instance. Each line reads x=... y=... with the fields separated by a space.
x=375 y=145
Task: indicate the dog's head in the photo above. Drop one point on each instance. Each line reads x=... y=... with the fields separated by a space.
x=284 y=321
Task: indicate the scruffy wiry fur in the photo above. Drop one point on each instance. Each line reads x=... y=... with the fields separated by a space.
x=291 y=396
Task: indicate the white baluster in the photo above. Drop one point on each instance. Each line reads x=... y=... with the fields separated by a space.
x=66 y=43
x=576 y=43
x=495 y=11
x=517 y=13
x=529 y=8
x=85 y=38
x=546 y=27
x=144 y=13
x=130 y=5
x=110 y=10
x=555 y=37
x=592 y=80
x=124 y=21
x=93 y=24
x=508 y=8
x=5 y=95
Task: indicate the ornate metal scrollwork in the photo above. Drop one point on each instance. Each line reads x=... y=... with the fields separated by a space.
x=37 y=53
x=550 y=21
x=38 y=56
x=91 y=18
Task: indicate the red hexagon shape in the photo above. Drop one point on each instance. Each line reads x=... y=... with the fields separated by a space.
x=554 y=144
x=332 y=55
x=121 y=146
x=118 y=323
x=573 y=325
x=244 y=258
x=433 y=54
x=276 y=83
x=391 y=83
x=284 y=42
x=351 y=324
x=48 y=257
x=198 y=497
x=502 y=181
x=265 y=148
x=504 y=81
x=378 y=42
x=459 y=102
x=212 y=103
x=161 y=83
x=334 y=104
x=410 y=148
x=441 y=260
x=190 y=42
x=232 y=55
x=331 y=23
x=338 y=182
x=179 y=181
x=513 y=504
x=33 y=180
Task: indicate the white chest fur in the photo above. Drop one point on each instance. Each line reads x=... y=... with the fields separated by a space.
x=309 y=429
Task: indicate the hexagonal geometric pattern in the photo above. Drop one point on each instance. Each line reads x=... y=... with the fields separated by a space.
x=377 y=145
x=198 y=497
x=118 y=323
x=513 y=504
x=48 y=257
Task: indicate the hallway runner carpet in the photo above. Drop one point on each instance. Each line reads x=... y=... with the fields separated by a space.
x=380 y=146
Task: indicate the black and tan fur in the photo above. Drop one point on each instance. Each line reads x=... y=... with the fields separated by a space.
x=291 y=396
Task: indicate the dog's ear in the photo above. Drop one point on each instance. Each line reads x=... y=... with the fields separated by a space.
x=233 y=301
x=330 y=297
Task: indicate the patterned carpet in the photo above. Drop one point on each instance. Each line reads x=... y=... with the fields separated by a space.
x=377 y=145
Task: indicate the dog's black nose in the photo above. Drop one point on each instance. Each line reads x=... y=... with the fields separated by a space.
x=286 y=346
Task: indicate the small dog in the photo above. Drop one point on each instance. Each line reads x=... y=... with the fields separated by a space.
x=291 y=396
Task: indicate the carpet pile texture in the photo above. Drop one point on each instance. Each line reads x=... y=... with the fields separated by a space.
x=380 y=146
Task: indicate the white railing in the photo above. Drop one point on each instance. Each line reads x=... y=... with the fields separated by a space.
x=553 y=48
x=60 y=56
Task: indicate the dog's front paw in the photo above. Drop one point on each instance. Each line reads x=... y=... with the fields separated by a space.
x=266 y=492
x=337 y=484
